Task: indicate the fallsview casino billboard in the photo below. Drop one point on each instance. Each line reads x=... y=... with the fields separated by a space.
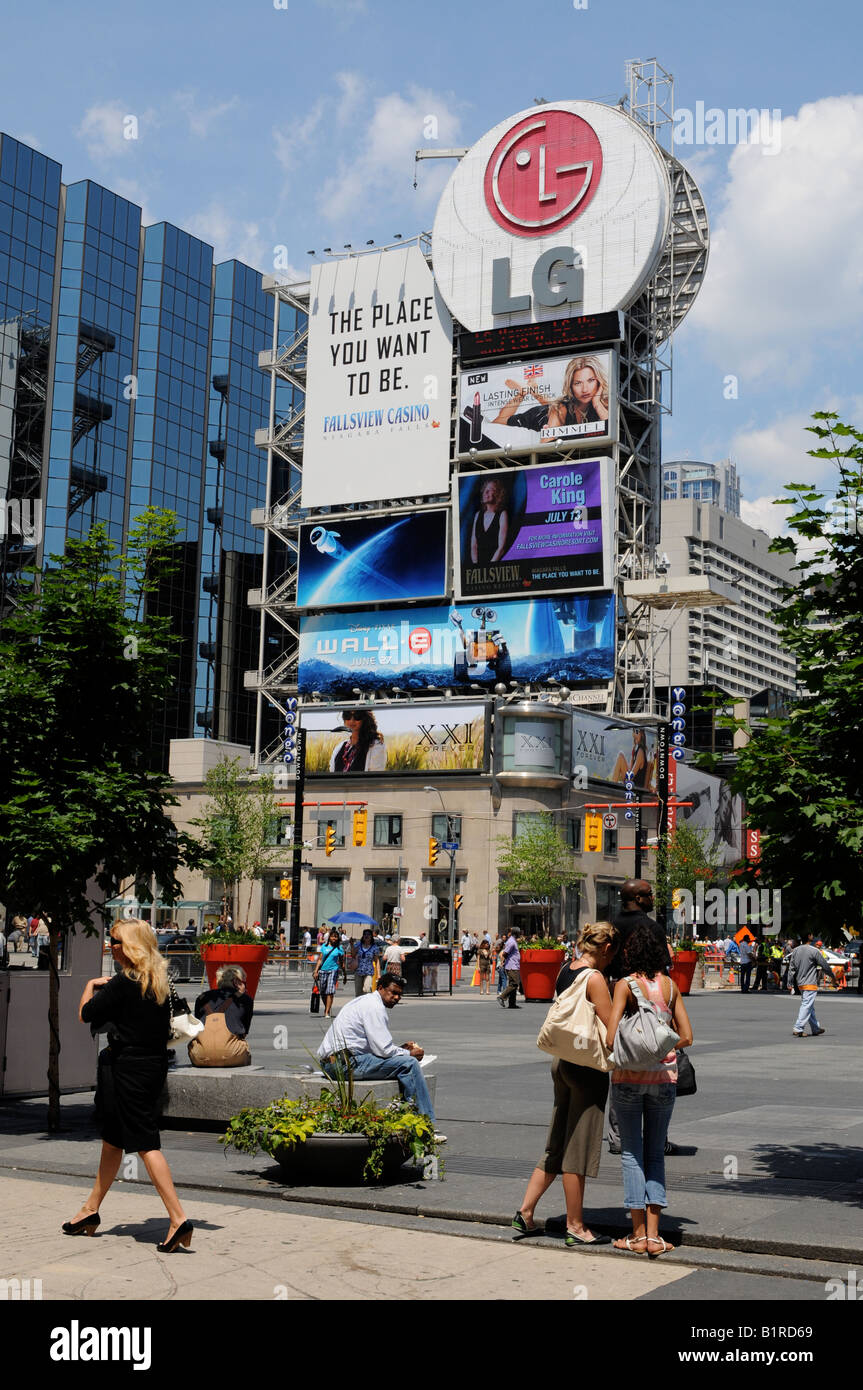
x=379 y=370
x=543 y=530
x=561 y=210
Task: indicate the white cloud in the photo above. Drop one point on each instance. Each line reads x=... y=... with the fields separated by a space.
x=111 y=131
x=783 y=279
x=353 y=87
x=232 y=237
x=201 y=119
x=291 y=144
x=134 y=191
x=381 y=164
x=764 y=515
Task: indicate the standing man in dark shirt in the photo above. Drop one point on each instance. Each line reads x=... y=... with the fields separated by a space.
x=637 y=902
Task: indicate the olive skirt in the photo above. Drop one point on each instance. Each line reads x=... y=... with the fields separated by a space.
x=574 y=1142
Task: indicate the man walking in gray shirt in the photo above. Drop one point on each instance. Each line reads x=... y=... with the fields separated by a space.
x=805 y=966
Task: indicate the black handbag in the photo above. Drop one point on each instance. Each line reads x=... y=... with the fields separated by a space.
x=686 y=1085
x=315 y=1005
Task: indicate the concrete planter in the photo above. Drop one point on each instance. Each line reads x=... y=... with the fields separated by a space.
x=252 y=958
x=539 y=972
x=326 y=1159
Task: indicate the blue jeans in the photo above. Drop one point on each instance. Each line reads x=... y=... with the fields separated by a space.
x=807 y=1011
x=644 y=1114
x=405 y=1070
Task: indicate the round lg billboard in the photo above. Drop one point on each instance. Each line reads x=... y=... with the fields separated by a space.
x=561 y=210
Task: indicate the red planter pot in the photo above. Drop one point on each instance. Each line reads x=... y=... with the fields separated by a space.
x=539 y=972
x=683 y=969
x=252 y=958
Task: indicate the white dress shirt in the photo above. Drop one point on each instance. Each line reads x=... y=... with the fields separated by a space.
x=361 y=1026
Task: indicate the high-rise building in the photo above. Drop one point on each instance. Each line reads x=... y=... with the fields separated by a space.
x=736 y=647
x=129 y=379
x=716 y=483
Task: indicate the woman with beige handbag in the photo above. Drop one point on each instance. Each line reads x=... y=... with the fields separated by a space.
x=227 y=1014
x=575 y=1029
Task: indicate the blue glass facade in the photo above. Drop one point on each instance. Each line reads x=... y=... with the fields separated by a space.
x=129 y=378
x=29 y=218
x=232 y=558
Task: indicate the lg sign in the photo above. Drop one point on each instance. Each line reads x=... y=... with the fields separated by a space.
x=543 y=173
x=555 y=212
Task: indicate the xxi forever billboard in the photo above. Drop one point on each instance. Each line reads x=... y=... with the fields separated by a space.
x=539 y=529
x=418 y=739
x=414 y=649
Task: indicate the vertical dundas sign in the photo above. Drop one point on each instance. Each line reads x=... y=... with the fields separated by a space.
x=379 y=377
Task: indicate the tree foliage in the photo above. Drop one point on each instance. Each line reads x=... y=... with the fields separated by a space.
x=82 y=678
x=683 y=860
x=802 y=776
x=237 y=841
x=537 y=861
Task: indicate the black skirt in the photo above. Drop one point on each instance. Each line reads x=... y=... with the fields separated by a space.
x=129 y=1087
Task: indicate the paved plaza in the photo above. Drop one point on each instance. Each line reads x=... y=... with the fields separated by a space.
x=767 y=1187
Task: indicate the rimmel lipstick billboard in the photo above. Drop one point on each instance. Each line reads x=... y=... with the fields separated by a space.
x=477 y=646
x=560 y=210
x=541 y=530
x=538 y=404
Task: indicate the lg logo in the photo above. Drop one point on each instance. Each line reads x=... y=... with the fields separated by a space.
x=543 y=173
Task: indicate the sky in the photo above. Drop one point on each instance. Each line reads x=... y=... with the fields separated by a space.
x=273 y=128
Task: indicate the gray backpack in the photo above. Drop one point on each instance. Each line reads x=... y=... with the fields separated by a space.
x=643 y=1038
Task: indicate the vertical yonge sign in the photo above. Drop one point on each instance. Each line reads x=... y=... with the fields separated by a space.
x=558 y=211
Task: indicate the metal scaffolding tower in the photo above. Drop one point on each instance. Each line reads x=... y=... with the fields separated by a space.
x=644 y=395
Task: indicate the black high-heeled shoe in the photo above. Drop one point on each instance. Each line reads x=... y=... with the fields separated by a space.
x=182 y=1236
x=85 y=1227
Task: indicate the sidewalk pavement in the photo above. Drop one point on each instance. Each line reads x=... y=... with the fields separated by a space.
x=245 y=1252
x=768 y=1177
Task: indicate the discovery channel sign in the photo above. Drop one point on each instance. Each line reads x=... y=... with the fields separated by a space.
x=560 y=211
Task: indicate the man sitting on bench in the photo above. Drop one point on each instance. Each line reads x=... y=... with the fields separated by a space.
x=361 y=1030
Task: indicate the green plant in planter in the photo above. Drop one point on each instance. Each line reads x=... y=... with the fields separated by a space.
x=291 y=1122
x=687 y=944
x=230 y=938
x=541 y=943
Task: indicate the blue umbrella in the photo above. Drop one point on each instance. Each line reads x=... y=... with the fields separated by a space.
x=343 y=917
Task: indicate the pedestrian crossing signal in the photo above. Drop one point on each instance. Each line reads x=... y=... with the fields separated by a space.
x=592 y=834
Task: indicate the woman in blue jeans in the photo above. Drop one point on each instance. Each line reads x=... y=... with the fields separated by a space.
x=644 y=1099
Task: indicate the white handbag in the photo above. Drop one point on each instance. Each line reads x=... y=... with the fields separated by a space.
x=184 y=1025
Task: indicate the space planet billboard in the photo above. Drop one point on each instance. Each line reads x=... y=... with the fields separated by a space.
x=569 y=640
x=377 y=407
x=560 y=210
x=375 y=559
x=539 y=529
x=538 y=404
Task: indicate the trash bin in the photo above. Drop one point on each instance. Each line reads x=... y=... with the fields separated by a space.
x=428 y=971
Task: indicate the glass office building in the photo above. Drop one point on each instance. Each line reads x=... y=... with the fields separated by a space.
x=129 y=379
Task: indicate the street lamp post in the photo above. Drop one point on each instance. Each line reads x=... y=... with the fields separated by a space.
x=452 y=855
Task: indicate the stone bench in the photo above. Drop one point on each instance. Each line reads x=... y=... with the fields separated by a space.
x=210 y=1096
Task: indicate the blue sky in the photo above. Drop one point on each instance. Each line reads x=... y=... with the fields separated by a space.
x=295 y=126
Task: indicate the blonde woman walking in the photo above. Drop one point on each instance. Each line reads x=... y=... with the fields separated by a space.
x=131 y=1074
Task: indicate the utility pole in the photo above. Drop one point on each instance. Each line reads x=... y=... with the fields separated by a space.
x=297 y=854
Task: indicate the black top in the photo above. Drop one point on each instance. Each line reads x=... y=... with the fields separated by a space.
x=536 y=416
x=138 y=1021
x=625 y=925
x=238 y=1014
x=487 y=539
x=567 y=976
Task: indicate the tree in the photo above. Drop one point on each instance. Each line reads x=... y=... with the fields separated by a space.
x=802 y=777
x=238 y=840
x=682 y=861
x=537 y=861
x=82 y=677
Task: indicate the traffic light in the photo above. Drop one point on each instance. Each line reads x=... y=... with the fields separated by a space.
x=676 y=898
x=434 y=846
x=360 y=823
x=457 y=901
x=592 y=834
x=330 y=842
x=285 y=889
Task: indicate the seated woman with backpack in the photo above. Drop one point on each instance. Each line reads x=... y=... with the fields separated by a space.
x=226 y=1012
x=645 y=1088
